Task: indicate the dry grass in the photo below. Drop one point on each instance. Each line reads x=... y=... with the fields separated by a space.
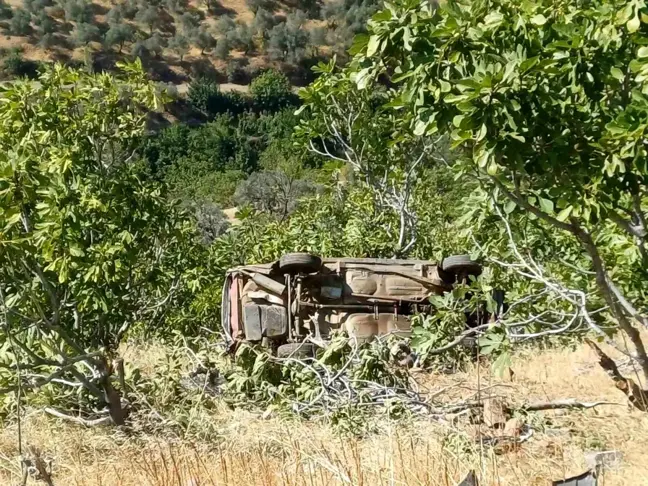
x=248 y=450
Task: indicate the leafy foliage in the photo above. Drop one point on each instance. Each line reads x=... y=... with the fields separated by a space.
x=91 y=249
x=272 y=91
x=20 y=22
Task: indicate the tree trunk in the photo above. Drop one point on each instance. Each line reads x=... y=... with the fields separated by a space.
x=603 y=283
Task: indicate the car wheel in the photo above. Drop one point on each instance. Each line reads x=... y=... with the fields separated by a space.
x=296 y=350
x=299 y=263
x=460 y=265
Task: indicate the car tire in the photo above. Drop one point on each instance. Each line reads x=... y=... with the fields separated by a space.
x=460 y=265
x=296 y=350
x=299 y=263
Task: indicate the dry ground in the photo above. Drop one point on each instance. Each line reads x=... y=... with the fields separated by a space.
x=250 y=450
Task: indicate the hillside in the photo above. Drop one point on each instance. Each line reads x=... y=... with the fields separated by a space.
x=179 y=39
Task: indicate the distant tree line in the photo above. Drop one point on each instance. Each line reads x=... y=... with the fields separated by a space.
x=151 y=29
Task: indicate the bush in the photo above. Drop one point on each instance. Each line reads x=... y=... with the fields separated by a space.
x=236 y=72
x=119 y=34
x=78 y=11
x=155 y=44
x=203 y=40
x=202 y=93
x=180 y=45
x=47 y=41
x=272 y=91
x=86 y=33
x=211 y=222
x=205 y=96
x=5 y=10
x=148 y=16
x=222 y=49
x=45 y=23
x=16 y=66
x=20 y=22
x=140 y=50
x=35 y=6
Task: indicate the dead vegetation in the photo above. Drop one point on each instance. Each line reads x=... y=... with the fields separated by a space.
x=236 y=447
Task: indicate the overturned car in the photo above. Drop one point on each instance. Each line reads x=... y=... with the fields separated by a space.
x=289 y=304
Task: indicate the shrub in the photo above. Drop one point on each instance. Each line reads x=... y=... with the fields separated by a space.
x=236 y=72
x=119 y=34
x=155 y=44
x=47 y=41
x=140 y=50
x=203 y=39
x=5 y=10
x=180 y=45
x=205 y=96
x=222 y=50
x=45 y=23
x=78 y=11
x=16 y=66
x=272 y=91
x=20 y=22
x=86 y=33
x=35 y=6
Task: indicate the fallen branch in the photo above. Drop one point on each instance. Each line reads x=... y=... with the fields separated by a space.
x=79 y=420
x=566 y=403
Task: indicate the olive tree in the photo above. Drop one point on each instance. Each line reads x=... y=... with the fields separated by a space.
x=118 y=34
x=89 y=248
x=86 y=33
x=20 y=22
x=148 y=16
x=180 y=45
x=547 y=102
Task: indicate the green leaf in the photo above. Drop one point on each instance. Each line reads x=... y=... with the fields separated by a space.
x=373 y=45
x=565 y=213
x=546 y=205
x=502 y=364
x=633 y=24
x=643 y=51
x=538 y=19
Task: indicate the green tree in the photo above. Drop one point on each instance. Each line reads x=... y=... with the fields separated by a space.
x=176 y=6
x=139 y=50
x=272 y=91
x=90 y=249
x=155 y=44
x=180 y=45
x=242 y=38
x=16 y=65
x=548 y=103
x=86 y=33
x=35 y=6
x=115 y=15
x=189 y=22
x=263 y=22
x=148 y=16
x=47 y=41
x=20 y=22
x=78 y=11
x=222 y=49
x=289 y=40
x=45 y=23
x=203 y=39
x=118 y=34
x=130 y=9
x=5 y=10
